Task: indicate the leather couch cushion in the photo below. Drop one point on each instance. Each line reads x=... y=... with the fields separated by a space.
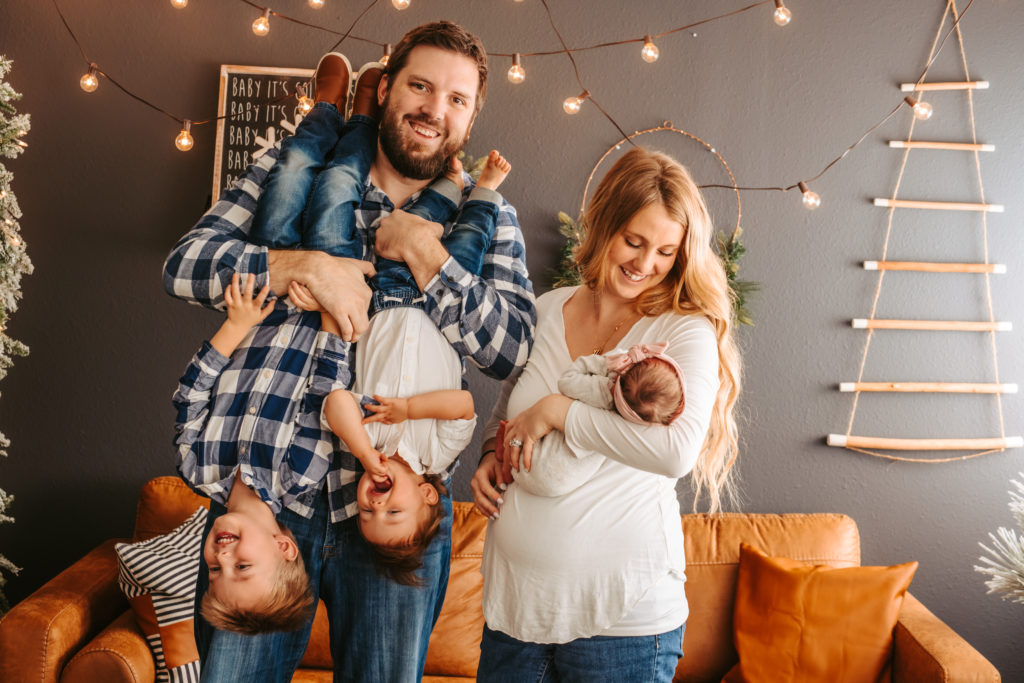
x=814 y=624
x=712 y=561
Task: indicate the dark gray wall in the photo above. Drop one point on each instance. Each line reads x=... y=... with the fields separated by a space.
x=105 y=195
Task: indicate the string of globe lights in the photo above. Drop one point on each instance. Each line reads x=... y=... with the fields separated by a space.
x=516 y=74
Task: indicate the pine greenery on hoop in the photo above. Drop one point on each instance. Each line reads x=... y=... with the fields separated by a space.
x=730 y=249
x=14 y=263
x=1005 y=563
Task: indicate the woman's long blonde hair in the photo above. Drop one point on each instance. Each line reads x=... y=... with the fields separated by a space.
x=696 y=284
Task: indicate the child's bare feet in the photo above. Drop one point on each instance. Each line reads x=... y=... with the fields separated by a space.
x=453 y=172
x=495 y=170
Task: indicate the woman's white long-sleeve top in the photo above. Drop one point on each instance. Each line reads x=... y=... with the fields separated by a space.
x=596 y=560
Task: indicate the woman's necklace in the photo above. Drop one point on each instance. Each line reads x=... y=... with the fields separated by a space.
x=597 y=308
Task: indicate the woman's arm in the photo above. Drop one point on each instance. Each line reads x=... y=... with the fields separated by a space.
x=669 y=451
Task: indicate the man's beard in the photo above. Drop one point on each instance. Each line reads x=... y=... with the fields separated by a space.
x=398 y=152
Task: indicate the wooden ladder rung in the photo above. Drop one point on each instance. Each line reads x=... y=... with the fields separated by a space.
x=942 y=206
x=935 y=267
x=946 y=85
x=955 y=146
x=931 y=387
x=932 y=325
x=884 y=443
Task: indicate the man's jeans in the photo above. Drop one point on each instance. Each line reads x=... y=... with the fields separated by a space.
x=378 y=629
x=637 y=659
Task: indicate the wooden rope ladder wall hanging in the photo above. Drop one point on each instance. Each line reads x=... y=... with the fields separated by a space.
x=979 y=446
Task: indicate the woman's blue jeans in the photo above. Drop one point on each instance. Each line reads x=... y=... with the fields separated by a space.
x=379 y=629
x=634 y=659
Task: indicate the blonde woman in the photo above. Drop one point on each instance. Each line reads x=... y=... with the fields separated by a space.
x=590 y=585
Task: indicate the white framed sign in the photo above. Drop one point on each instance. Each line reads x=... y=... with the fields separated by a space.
x=256 y=108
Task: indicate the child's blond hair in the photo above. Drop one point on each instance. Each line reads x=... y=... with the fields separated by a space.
x=288 y=607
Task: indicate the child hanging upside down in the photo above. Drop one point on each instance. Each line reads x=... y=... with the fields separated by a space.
x=419 y=418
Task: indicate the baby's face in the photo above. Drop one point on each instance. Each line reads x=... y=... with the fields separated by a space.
x=243 y=558
x=390 y=514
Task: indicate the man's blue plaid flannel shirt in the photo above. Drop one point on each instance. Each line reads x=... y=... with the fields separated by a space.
x=262 y=401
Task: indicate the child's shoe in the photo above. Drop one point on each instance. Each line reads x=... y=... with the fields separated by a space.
x=364 y=97
x=332 y=80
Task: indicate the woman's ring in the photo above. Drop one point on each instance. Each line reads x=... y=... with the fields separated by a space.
x=515 y=443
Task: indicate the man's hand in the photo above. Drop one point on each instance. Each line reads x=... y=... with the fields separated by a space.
x=338 y=285
x=414 y=241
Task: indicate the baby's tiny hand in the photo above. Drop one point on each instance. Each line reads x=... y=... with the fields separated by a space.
x=302 y=297
x=243 y=308
x=390 y=411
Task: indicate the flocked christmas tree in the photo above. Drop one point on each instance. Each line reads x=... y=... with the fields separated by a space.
x=14 y=263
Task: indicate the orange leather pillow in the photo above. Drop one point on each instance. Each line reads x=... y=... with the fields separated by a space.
x=796 y=622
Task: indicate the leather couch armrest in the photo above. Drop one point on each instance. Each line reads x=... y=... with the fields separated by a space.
x=926 y=649
x=118 y=653
x=42 y=632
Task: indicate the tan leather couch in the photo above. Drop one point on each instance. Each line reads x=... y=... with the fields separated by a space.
x=78 y=626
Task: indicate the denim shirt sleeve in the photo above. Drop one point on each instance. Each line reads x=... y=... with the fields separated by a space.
x=488 y=318
x=201 y=264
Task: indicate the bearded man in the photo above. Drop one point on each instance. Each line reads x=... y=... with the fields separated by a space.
x=433 y=88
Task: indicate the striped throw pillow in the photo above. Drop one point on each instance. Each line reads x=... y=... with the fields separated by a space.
x=158 y=576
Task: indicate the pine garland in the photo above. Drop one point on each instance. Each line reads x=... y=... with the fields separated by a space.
x=14 y=263
x=730 y=249
x=1005 y=563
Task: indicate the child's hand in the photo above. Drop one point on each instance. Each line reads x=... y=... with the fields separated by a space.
x=390 y=411
x=375 y=465
x=302 y=297
x=243 y=309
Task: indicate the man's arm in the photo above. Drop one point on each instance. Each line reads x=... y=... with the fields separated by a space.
x=489 y=318
x=200 y=266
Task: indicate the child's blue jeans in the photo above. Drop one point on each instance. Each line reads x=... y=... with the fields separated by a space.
x=314 y=189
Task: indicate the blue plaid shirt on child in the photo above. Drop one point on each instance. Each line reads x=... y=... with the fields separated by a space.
x=268 y=395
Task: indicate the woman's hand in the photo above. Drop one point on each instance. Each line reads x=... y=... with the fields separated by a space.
x=485 y=483
x=528 y=427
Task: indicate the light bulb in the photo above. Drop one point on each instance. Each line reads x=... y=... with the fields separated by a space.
x=400 y=4
x=650 y=51
x=572 y=105
x=516 y=72
x=811 y=199
x=184 y=139
x=316 y=4
x=179 y=4
x=305 y=101
x=387 y=54
x=922 y=110
x=90 y=81
x=782 y=15
x=261 y=26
